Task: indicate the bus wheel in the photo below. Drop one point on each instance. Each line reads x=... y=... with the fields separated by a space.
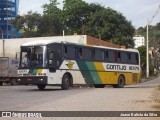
x=99 y=85
x=13 y=82
x=41 y=87
x=1 y=83
x=65 y=82
x=121 y=82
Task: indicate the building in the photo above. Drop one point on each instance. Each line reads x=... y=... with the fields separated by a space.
x=8 y=11
x=138 y=41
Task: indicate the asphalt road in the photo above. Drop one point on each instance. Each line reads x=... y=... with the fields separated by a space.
x=137 y=97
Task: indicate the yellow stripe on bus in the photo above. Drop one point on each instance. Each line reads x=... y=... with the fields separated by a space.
x=39 y=71
x=102 y=75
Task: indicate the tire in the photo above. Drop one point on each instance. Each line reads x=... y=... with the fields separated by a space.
x=1 y=83
x=13 y=82
x=121 y=82
x=99 y=85
x=41 y=87
x=65 y=82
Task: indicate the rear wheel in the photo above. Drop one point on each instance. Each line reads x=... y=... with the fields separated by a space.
x=121 y=82
x=65 y=82
x=13 y=82
x=99 y=85
x=41 y=87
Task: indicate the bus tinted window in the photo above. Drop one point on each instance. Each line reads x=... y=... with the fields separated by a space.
x=134 y=58
x=98 y=55
x=111 y=56
x=119 y=56
x=69 y=52
x=107 y=55
x=124 y=57
x=86 y=53
x=102 y=55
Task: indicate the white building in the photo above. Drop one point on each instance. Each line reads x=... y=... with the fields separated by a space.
x=139 y=41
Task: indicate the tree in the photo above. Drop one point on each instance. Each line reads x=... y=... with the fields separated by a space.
x=75 y=16
x=51 y=22
x=97 y=21
x=27 y=23
x=51 y=8
x=154 y=34
x=50 y=25
x=142 y=51
x=108 y=24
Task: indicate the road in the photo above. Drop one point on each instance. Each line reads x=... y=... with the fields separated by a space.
x=139 y=97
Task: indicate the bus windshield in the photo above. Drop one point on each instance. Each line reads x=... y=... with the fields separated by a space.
x=33 y=56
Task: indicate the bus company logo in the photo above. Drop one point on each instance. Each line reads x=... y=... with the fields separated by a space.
x=70 y=65
x=6 y=114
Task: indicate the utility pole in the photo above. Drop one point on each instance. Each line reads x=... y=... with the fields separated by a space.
x=147 y=56
x=3 y=42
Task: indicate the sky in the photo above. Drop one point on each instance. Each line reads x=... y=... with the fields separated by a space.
x=136 y=11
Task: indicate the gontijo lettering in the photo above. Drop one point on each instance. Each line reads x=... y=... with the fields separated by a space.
x=116 y=67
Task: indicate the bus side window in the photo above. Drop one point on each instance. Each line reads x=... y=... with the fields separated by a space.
x=93 y=54
x=134 y=58
x=80 y=53
x=124 y=57
x=111 y=56
x=65 y=51
x=86 y=53
x=76 y=53
x=115 y=56
x=107 y=55
x=129 y=57
x=137 y=59
x=119 y=56
x=102 y=55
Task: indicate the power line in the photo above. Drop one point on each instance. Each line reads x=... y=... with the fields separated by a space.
x=155 y=14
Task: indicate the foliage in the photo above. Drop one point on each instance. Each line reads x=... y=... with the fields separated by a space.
x=28 y=23
x=142 y=51
x=51 y=8
x=50 y=25
x=80 y=17
x=97 y=21
x=154 y=34
x=75 y=15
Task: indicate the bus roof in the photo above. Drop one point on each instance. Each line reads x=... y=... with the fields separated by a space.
x=46 y=42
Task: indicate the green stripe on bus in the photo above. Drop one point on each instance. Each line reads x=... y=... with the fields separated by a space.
x=94 y=73
x=85 y=72
x=33 y=71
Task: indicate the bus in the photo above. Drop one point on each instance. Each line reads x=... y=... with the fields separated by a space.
x=66 y=64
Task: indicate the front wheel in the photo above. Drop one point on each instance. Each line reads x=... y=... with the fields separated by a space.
x=65 y=82
x=1 y=83
x=41 y=87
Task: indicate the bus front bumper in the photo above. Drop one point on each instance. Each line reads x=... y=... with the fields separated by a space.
x=32 y=80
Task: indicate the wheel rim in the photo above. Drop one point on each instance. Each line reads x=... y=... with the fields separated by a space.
x=67 y=80
x=121 y=81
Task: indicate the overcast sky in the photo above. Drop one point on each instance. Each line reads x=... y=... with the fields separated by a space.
x=137 y=11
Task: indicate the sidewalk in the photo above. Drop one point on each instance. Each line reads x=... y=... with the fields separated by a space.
x=150 y=78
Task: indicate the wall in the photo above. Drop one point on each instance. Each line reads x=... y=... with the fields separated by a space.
x=98 y=42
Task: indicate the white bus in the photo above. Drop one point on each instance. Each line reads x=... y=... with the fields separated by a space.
x=66 y=64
